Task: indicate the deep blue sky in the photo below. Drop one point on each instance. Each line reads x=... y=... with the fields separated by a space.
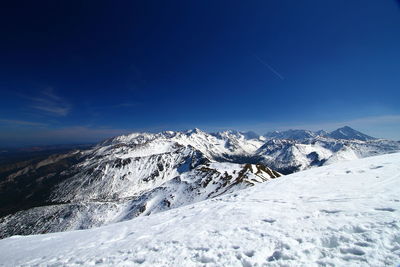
x=79 y=71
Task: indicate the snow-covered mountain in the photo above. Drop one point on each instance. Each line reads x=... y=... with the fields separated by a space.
x=294 y=150
x=129 y=176
x=344 y=214
x=291 y=134
x=345 y=133
x=144 y=173
x=288 y=155
x=348 y=133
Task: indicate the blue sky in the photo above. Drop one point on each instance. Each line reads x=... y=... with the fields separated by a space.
x=81 y=71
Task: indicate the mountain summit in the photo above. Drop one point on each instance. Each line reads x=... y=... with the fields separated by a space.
x=349 y=133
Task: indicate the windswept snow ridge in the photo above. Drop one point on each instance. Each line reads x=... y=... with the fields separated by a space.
x=344 y=214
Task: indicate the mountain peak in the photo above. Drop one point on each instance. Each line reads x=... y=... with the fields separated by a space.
x=348 y=133
x=346 y=128
x=250 y=135
x=194 y=131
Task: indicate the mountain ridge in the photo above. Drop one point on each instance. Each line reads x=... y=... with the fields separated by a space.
x=136 y=174
x=349 y=133
x=345 y=132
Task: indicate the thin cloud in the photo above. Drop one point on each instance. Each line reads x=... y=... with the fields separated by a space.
x=273 y=70
x=22 y=123
x=49 y=92
x=85 y=133
x=96 y=111
x=50 y=103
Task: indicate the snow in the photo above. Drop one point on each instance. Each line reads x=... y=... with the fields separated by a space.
x=149 y=149
x=205 y=181
x=291 y=134
x=345 y=214
x=348 y=133
x=110 y=173
x=293 y=155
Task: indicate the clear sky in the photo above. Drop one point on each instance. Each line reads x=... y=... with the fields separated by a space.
x=80 y=71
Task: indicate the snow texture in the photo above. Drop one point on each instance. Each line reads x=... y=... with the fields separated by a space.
x=344 y=214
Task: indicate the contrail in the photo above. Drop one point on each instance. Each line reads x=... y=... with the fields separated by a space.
x=270 y=68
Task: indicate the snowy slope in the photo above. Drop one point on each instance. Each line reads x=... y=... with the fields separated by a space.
x=205 y=181
x=344 y=214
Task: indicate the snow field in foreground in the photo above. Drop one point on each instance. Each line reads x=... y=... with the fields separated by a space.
x=345 y=214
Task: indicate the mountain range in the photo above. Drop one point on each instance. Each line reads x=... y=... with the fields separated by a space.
x=345 y=133
x=144 y=173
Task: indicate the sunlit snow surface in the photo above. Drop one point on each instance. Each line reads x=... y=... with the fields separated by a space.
x=345 y=214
